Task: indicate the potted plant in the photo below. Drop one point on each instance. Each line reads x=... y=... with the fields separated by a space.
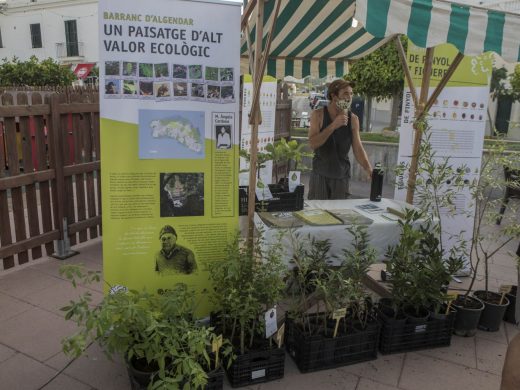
x=487 y=242
x=438 y=183
x=331 y=321
x=248 y=284
x=156 y=334
x=288 y=155
x=420 y=274
x=282 y=153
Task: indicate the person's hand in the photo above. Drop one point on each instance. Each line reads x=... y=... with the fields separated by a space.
x=369 y=173
x=339 y=121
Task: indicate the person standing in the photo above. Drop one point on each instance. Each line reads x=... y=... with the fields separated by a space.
x=333 y=131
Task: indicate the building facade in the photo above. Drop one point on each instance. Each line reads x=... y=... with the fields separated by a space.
x=65 y=30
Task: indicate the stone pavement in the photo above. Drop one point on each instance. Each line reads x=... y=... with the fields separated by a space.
x=32 y=326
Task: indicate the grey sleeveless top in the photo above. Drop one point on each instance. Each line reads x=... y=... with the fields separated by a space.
x=331 y=159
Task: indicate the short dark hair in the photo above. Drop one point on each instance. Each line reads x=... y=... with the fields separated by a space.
x=167 y=229
x=336 y=86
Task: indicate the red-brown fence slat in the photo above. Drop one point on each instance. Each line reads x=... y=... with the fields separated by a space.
x=28 y=167
x=66 y=137
x=14 y=169
x=80 y=178
x=54 y=138
x=90 y=184
x=42 y=159
x=5 y=228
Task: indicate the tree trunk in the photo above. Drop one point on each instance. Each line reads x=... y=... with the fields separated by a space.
x=368 y=113
x=396 y=99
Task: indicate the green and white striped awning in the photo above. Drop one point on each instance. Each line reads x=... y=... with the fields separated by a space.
x=428 y=23
x=316 y=37
x=312 y=37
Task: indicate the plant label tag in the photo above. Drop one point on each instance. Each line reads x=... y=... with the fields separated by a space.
x=294 y=180
x=271 y=325
x=263 y=193
x=279 y=335
x=451 y=295
x=339 y=314
x=505 y=288
x=420 y=328
x=257 y=374
x=216 y=344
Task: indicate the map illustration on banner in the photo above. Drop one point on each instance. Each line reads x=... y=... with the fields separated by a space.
x=169 y=76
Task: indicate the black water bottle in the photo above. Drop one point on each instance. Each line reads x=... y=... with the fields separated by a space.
x=376 y=187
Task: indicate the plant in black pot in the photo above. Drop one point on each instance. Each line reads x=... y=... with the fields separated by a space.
x=488 y=240
x=248 y=284
x=439 y=184
x=331 y=322
x=154 y=333
x=420 y=275
x=287 y=193
x=288 y=155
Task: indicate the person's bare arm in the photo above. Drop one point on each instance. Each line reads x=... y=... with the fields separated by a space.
x=357 y=147
x=317 y=137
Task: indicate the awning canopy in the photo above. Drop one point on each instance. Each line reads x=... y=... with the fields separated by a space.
x=83 y=70
x=316 y=37
x=428 y=23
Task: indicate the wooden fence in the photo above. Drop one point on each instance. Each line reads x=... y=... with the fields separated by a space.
x=50 y=190
x=50 y=187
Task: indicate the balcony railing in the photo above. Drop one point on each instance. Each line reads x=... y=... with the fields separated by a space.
x=71 y=49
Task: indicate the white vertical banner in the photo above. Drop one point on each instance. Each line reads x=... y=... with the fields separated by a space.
x=456 y=121
x=266 y=128
x=169 y=108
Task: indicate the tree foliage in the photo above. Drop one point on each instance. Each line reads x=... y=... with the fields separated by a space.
x=499 y=83
x=380 y=74
x=34 y=72
x=515 y=82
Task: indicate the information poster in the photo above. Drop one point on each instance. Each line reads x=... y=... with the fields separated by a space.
x=457 y=123
x=169 y=80
x=265 y=130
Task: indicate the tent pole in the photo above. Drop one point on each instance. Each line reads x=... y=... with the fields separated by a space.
x=453 y=67
x=247 y=13
x=418 y=130
x=255 y=116
x=250 y=52
x=406 y=70
x=254 y=121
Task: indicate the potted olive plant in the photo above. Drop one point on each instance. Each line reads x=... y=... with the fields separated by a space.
x=154 y=333
x=331 y=322
x=438 y=184
x=487 y=242
x=248 y=284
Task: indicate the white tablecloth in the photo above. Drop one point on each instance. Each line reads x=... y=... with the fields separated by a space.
x=382 y=232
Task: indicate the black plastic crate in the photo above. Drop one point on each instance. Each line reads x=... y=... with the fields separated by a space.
x=215 y=381
x=312 y=353
x=400 y=336
x=282 y=199
x=257 y=367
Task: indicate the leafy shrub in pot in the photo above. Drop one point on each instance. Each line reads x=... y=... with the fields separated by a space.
x=247 y=284
x=154 y=333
